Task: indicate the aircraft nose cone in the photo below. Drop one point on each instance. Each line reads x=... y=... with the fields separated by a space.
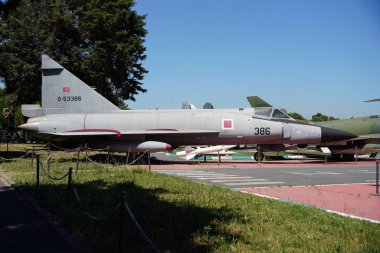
x=32 y=127
x=331 y=135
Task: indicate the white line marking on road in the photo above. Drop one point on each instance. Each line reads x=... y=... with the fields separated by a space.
x=314 y=173
x=305 y=186
x=237 y=179
x=254 y=183
x=191 y=173
x=165 y=171
x=217 y=177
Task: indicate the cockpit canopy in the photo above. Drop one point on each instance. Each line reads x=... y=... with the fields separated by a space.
x=270 y=112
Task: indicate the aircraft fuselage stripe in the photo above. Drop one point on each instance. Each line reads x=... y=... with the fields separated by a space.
x=94 y=131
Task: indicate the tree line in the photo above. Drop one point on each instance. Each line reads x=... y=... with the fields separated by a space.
x=101 y=42
x=316 y=117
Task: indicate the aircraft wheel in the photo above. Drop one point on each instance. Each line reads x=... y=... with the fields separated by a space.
x=258 y=156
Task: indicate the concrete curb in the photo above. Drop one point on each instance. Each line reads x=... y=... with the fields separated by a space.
x=67 y=238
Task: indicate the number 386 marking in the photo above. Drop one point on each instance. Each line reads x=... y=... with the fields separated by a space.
x=262 y=131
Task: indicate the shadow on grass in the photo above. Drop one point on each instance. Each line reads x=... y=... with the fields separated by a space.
x=177 y=226
x=12 y=154
x=119 y=159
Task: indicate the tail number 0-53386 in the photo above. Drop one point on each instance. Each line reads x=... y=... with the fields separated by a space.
x=69 y=98
x=262 y=130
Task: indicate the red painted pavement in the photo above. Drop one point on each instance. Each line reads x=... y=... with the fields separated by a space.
x=351 y=199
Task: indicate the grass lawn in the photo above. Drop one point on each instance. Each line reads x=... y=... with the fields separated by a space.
x=184 y=216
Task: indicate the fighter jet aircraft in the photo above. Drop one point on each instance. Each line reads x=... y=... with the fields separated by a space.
x=368 y=142
x=366 y=128
x=74 y=112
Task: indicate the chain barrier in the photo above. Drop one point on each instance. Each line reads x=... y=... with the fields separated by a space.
x=47 y=160
x=64 y=149
x=131 y=163
x=52 y=178
x=14 y=159
x=98 y=149
x=140 y=229
x=122 y=205
x=96 y=163
x=86 y=213
x=138 y=158
x=85 y=149
x=37 y=149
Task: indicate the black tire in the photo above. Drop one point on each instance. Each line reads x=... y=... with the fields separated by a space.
x=258 y=156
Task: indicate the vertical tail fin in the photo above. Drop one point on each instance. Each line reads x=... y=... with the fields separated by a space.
x=256 y=101
x=62 y=92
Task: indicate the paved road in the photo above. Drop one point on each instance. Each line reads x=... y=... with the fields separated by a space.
x=22 y=229
x=238 y=178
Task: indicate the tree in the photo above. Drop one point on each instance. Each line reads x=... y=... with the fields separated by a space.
x=9 y=112
x=101 y=42
x=297 y=116
x=321 y=117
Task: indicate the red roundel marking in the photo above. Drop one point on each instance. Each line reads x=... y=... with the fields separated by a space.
x=227 y=124
x=66 y=89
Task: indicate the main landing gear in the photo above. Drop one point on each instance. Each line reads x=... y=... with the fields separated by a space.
x=259 y=156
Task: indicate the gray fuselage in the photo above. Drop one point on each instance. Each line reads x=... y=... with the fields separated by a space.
x=176 y=127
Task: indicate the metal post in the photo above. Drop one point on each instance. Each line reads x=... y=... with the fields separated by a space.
x=85 y=146
x=32 y=157
x=121 y=228
x=258 y=154
x=356 y=156
x=69 y=184
x=218 y=157
x=48 y=161
x=129 y=151
x=108 y=155
x=204 y=158
x=38 y=171
x=77 y=165
x=149 y=161
x=377 y=180
x=325 y=158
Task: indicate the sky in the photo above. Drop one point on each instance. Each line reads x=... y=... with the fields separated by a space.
x=305 y=56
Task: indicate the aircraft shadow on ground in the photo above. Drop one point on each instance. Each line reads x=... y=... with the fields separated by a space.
x=173 y=226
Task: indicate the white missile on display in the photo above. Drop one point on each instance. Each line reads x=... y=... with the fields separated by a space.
x=191 y=153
